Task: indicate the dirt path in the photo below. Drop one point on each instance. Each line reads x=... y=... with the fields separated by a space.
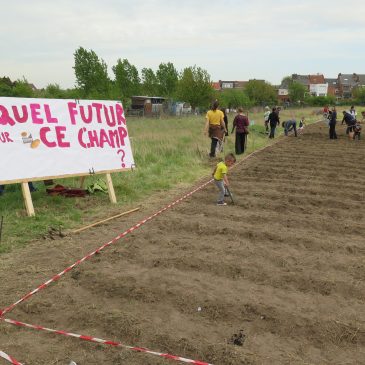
x=284 y=265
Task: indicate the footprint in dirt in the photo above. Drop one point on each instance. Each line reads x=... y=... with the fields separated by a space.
x=238 y=338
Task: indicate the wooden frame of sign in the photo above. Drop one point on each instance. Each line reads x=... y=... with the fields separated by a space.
x=28 y=197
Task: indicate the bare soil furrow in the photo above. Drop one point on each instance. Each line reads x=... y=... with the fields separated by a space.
x=278 y=278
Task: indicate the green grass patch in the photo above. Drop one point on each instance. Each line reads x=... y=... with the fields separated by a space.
x=167 y=152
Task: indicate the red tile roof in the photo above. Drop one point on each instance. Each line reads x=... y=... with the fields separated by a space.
x=316 y=79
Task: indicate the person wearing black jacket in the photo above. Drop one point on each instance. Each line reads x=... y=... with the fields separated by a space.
x=274 y=120
x=332 y=123
x=349 y=120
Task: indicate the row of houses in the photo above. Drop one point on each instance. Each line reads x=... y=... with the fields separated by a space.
x=224 y=85
x=341 y=87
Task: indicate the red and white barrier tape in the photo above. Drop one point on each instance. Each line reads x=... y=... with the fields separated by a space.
x=9 y=358
x=104 y=342
x=136 y=226
x=58 y=276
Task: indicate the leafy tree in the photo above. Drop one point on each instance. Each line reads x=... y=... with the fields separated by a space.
x=320 y=100
x=195 y=87
x=359 y=94
x=167 y=77
x=261 y=92
x=71 y=94
x=22 y=89
x=91 y=73
x=234 y=98
x=6 y=86
x=127 y=79
x=286 y=81
x=297 y=91
x=149 y=82
x=53 y=91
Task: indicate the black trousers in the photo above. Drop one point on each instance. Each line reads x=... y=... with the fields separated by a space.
x=272 y=132
x=213 y=146
x=240 y=144
x=333 y=134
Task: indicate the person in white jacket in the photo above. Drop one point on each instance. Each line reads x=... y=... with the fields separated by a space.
x=353 y=112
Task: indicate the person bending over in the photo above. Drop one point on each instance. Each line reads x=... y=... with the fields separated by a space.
x=290 y=125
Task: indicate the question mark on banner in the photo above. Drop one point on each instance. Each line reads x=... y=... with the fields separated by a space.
x=122 y=158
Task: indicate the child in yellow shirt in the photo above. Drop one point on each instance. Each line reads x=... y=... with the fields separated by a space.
x=220 y=176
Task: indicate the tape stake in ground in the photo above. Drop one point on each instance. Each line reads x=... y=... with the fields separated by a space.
x=9 y=358
x=104 y=342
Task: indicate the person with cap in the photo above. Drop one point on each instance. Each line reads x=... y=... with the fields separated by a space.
x=266 y=119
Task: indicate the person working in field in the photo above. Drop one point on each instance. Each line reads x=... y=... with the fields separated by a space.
x=215 y=127
x=301 y=125
x=240 y=123
x=290 y=125
x=220 y=176
x=332 y=123
x=274 y=120
x=353 y=112
x=326 y=111
x=350 y=122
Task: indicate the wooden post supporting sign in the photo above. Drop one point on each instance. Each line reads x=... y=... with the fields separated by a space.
x=27 y=199
x=111 y=191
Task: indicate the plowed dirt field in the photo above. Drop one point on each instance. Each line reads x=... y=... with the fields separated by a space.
x=277 y=278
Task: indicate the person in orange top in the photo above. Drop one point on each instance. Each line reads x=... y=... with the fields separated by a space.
x=215 y=126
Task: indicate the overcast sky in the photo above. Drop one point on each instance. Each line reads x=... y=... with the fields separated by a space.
x=231 y=39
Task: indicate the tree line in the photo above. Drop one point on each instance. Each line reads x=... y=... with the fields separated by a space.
x=193 y=84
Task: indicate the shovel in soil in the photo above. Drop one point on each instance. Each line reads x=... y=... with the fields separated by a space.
x=228 y=193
